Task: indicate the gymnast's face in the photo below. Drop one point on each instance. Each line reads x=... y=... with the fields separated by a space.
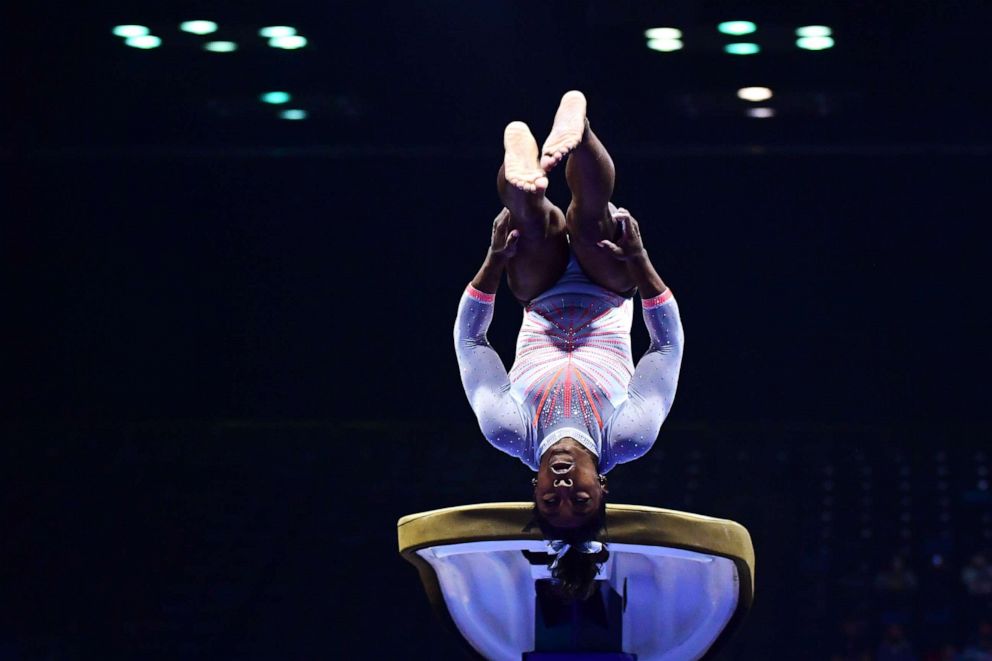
x=568 y=492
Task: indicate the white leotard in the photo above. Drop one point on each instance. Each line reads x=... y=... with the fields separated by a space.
x=573 y=375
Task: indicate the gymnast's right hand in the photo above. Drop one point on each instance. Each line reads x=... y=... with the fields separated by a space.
x=504 y=240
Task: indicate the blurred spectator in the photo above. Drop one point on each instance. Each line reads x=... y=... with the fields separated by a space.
x=977 y=576
x=980 y=649
x=977 y=579
x=896 y=587
x=946 y=652
x=853 y=640
x=895 y=646
x=897 y=579
x=939 y=593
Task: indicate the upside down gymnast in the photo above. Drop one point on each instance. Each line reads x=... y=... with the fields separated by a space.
x=573 y=406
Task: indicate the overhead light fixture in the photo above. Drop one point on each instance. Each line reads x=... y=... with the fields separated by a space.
x=665 y=45
x=663 y=33
x=290 y=42
x=220 y=46
x=754 y=93
x=814 y=31
x=761 y=113
x=815 y=43
x=737 y=27
x=198 y=27
x=143 y=42
x=275 y=97
x=294 y=114
x=130 y=30
x=277 y=31
x=742 y=48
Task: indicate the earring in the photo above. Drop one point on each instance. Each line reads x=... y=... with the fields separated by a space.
x=602 y=480
x=533 y=482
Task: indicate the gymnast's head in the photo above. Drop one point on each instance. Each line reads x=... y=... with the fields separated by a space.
x=570 y=509
x=569 y=492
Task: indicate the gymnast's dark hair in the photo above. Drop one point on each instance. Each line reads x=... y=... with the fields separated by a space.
x=575 y=576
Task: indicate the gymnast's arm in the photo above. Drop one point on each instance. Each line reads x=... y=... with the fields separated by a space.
x=483 y=375
x=636 y=423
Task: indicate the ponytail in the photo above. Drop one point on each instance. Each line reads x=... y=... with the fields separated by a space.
x=573 y=573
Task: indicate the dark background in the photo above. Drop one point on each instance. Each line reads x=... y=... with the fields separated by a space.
x=228 y=365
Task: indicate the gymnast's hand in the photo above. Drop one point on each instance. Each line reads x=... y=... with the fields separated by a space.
x=504 y=241
x=626 y=244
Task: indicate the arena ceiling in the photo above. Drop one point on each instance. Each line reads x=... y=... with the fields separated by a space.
x=441 y=76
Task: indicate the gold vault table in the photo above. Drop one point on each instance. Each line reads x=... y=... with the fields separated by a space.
x=675 y=587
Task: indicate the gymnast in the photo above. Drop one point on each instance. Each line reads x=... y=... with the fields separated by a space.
x=573 y=406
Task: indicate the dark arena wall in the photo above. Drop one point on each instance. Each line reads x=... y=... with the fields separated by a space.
x=229 y=366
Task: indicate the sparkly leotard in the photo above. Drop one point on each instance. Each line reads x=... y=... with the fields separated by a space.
x=573 y=375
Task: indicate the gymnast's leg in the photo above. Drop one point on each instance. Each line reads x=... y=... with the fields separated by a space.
x=542 y=249
x=590 y=175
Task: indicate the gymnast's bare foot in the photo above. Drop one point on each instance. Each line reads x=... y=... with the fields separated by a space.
x=566 y=134
x=520 y=165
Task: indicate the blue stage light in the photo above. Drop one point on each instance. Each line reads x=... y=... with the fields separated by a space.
x=144 y=42
x=665 y=45
x=737 y=27
x=198 y=27
x=130 y=30
x=813 y=31
x=663 y=33
x=742 y=48
x=290 y=42
x=815 y=43
x=277 y=31
x=220 y=46
x=275 y=97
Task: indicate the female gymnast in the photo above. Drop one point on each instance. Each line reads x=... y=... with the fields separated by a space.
x=573 y=406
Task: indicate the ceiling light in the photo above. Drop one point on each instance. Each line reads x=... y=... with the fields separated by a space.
x=813 y=31
x=815 y=43
x=663 y=33
x=293 y=114
x=130 y=30
x=743 y=48
x=761 y=113
x=664 y=45
x=220 y=46
x=754 y=93
x=198 y=27
x=275 y=97
x=291 y=42
x=144 y=42
x=277 y=31
x=737 y=27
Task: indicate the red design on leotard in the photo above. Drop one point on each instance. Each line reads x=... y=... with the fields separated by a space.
x=573 y=355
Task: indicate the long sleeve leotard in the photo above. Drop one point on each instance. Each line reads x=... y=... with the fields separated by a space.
x=573 y=375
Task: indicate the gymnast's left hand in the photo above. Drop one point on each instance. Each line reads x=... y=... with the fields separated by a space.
x=627 y=244
x=504 y=240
